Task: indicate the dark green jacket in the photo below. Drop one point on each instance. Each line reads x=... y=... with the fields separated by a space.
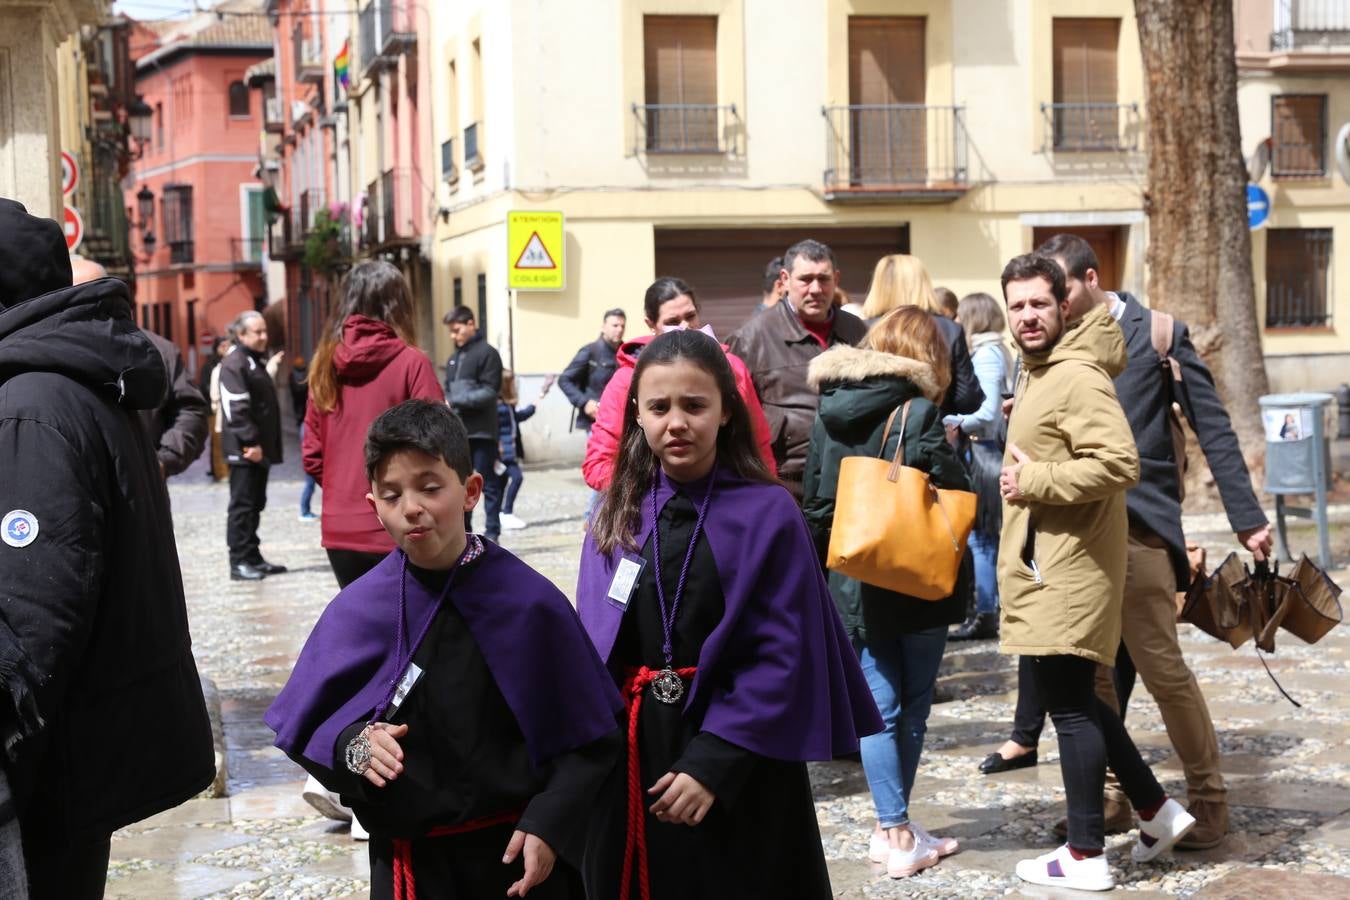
x=858 y=391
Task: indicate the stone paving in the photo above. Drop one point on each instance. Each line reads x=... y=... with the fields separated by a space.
x=1288 y=769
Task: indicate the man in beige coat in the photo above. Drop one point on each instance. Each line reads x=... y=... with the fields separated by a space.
x=1071 y=457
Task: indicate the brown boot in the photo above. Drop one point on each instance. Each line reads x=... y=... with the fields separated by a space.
x=1118 y=816
x=1211 y=825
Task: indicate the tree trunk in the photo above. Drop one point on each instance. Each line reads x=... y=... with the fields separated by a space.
x=1199 y=247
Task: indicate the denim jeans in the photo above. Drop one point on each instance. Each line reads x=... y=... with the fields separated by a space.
x=306 y=492
x=484 y=452
x=984 y=553
x=510 y=482
x=901 y=673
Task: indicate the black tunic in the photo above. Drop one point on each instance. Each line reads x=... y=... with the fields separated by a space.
x=464 y=759
x=760 y=839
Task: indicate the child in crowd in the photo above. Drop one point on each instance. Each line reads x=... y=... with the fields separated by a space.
x=700 y=587
x=449 y=694
x=510 y=447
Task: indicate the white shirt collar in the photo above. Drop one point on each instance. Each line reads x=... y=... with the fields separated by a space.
x=1117 y=306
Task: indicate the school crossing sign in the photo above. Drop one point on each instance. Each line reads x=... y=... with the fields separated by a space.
x=534 y=249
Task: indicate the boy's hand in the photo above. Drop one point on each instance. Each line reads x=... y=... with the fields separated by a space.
x=683 y=801
x=539 y=860
x=386 y=756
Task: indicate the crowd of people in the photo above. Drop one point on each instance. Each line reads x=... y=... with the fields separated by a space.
x=492 y=739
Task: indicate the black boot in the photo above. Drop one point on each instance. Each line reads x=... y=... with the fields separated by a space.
x=982 y=626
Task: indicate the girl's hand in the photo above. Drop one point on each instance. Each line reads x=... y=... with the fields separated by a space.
x=386 y=756
x=539 y=860
x=683 y=800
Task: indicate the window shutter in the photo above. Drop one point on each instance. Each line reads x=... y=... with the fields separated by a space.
x=1298 y=130
x=886 y=67
x=681 y=71
x=1084 y=71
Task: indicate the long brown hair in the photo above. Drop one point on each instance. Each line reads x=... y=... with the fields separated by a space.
x=912 y=333
x=374 y=289
x=620 y=513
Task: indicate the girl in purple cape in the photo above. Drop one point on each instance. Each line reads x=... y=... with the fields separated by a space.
x=701 y=590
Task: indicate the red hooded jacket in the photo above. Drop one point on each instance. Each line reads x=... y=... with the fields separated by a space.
x=603 y=445
x=375 y=370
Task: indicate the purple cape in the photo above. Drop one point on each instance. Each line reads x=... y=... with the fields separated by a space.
x=777 y=675
x=532 y=641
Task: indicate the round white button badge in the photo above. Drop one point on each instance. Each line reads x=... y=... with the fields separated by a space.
x=19 y=528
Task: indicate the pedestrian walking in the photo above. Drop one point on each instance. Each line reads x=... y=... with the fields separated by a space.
x=473 y=382
x=1070 y=459
x=583 y=381
x=367 y=361
x=669 y=304
x=982 y=320
x=698 y=578
x=472 y=745
x=510 y=446
x=900 y=639
x=1156 y=563
x=298 y=383
x=94 y=642
x=251 y=442
x=902 y=280
x=778 y=347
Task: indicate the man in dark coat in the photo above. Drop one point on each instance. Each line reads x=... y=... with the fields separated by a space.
x=473 y=384
x=252 y=443
x=584 y=379
x=778 y=346
x=94 y=642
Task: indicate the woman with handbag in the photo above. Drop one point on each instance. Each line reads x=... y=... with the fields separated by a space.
x=903 y=368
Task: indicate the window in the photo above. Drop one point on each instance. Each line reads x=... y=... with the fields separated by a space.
x=159 y=126
x=155 y=313
x=1298 y=262
x=238 y=100
x=886 y=86
x=459 y=294
x=166 y=321
x=1085 y=114
x=680 y=68
x=482 y=302
x=192 y=331
x=176 y=214
x=1298 y=135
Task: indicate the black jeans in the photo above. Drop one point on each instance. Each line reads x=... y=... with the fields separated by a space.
x=248 y=497
x=1090 y=736
x=484 y=452
x=349 y=565
x=1029 y=715
x=77 y=872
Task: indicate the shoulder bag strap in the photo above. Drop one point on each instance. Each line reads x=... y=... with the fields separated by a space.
x=899 y=459
x=1162 y=333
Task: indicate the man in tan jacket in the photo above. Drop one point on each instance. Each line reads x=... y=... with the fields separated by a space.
x=1070 y=458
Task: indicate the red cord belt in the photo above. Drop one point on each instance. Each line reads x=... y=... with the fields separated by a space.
x=636 y=839
x=405 y=886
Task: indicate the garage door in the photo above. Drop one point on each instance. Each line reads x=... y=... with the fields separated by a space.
x=725 y=266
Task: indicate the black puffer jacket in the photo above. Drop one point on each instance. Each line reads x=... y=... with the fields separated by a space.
x=102 y=721
x=473 y=384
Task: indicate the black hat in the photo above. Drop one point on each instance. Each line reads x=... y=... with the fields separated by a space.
x=33 y=255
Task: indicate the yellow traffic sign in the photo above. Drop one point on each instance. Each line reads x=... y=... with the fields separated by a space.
x=534 y=249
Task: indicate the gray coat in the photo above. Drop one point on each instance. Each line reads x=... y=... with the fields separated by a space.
x=1145 y=393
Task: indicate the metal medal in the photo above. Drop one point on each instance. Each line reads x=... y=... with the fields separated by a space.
x=667 y=686
x=358 y=754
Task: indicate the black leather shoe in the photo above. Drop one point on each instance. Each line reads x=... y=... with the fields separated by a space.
x=268 y=568
x=995 y=763
x=246 y=572
x=981 y=627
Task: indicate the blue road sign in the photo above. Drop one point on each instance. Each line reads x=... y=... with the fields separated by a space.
x=1258 y=207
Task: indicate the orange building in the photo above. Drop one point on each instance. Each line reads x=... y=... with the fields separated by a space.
x=197 y=206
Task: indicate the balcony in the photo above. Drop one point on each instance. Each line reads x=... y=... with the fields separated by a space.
x=473 y=157
x=180 y=252
x=391 y=211
x=898 y=151
x=1091 y=127
x=387 y=28
x=281 y=244
x=1311 y=25
x=246 y=253
x=449 y=171
x=272 y=118
x=308 y=52
x=311 y=202
x=688 y=128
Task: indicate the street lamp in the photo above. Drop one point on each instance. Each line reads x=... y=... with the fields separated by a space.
x=140 y=116
x=145 y=209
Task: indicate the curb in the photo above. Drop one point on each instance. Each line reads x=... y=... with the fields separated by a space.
x=211 y=694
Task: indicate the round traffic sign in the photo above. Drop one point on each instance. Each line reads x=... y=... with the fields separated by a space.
x=73 y=227
x=70 y=173
x=1258 y=207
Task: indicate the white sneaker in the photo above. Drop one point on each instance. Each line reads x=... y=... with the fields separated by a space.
x=512 y=522
x=324 y=800
x=1059 y=869
x=945 y=846
x=359 y=832
x=1157 y=835
x=904 y=863
x=878 y=848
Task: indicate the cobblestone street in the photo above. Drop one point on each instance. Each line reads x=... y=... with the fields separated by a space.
x=1288 y=769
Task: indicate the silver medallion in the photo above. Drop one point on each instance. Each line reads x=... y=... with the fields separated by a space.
x=667 y=686
x=358 y=754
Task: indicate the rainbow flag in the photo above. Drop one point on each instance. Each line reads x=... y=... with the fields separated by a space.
x=340 y=65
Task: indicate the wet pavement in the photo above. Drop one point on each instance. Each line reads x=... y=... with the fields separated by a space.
x=1288 y=769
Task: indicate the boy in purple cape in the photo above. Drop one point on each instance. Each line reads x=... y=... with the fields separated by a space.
x=450 y=695
x=700 y=588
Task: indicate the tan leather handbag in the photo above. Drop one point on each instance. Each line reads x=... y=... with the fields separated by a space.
x=893 y=528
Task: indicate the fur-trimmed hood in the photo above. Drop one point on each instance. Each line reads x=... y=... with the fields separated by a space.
x=843 y=364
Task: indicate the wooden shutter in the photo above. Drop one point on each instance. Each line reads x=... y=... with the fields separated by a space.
x=885 y=68
x=1298 y=134
x=681 y=71
x=1085 y=72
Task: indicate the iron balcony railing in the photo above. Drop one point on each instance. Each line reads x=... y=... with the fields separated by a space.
x=279 y=241
x=180 y=252
x=391 y=211
x=1311 y=25
x=311 y=202
x=895 y=148
x=387 y=28
x=473 y=158
x=683 y=127
x=308 y=52
x=1091 y=127
x=449 y=172
x=246 y=251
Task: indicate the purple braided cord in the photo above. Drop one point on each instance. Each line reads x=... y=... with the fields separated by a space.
x=668 y=620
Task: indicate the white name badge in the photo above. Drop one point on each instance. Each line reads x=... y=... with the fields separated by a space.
x=625 y=581
x=405 y=685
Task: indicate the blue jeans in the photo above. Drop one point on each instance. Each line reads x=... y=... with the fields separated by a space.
x=306 y=492
x=902 y=673
x=512 y=479
x=484 y=452
x=984 y=552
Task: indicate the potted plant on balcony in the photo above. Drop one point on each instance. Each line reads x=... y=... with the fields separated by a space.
x=325 y=251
